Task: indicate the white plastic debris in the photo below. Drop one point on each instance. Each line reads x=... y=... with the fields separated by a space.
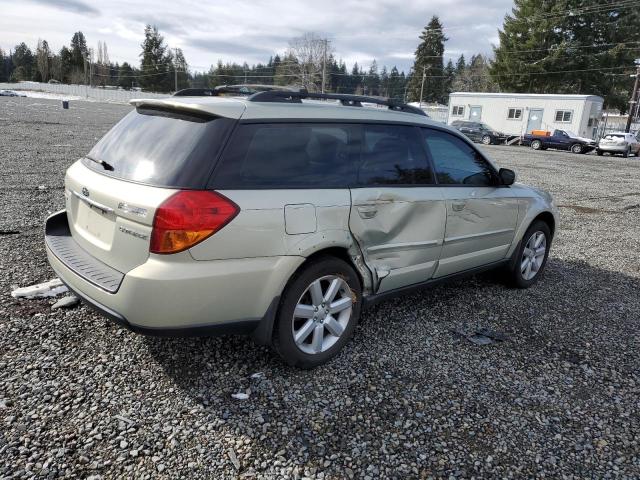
x=66 y=302
x=51 y=288
x=240 y=396
x=257 y=376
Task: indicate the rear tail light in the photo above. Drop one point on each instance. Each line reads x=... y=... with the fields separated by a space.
x=187 y=218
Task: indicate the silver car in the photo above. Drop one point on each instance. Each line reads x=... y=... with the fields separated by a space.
x=283 y=215
x=622 y=143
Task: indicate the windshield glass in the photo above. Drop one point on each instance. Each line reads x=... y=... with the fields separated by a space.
x=615 y=135
x=484 y=126
x=162 y=148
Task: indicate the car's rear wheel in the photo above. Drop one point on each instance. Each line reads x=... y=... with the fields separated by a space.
x=318 y=313
x=486 y=139
x=530 y=258
x=536 y=144
x=576 y=148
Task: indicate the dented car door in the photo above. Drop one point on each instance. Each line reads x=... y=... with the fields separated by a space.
x=398 y=213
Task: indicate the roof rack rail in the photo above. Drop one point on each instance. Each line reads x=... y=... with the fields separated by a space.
x=279 y=96
x=248 y=89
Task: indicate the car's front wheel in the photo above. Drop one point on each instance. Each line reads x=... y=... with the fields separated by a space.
x=576 y=148
x=599 y=152
x=318 y=313
x=486 y=139
x=531 y=256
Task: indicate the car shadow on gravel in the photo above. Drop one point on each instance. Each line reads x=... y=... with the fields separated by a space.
x=571 y=339
x=574 y=305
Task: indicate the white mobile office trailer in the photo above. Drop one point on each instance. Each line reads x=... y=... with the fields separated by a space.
x=518 y=113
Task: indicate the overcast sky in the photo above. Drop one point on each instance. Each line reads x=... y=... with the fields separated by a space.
x=240 y=30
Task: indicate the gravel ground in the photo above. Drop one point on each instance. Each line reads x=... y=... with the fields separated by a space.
x=80 y=397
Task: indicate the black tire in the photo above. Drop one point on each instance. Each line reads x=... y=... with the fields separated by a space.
x=284 y=341
x=536 y=144
x=486 y=140
x=599 y=152
x=626 y=153
x=576 y=148
x=514 y=275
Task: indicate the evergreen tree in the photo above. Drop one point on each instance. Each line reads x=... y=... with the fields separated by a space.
x=429 y=63
x=568 y=46
x=126 y=76
x=23 y=63
x=450 y=75
x=156 y=63
x=372 y=80
x=79 y=50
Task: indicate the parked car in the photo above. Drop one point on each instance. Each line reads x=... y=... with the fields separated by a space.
x=559 y=140
x=11 y=93
x=619 y=142
x=479 y=132
x=282 y=218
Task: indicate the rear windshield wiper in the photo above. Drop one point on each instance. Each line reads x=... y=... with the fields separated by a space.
x=105 y=165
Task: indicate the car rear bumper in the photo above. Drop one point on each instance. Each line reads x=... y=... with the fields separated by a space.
x=613 y=148
x=174 y=295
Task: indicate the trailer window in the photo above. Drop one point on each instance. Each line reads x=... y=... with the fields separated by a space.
x=514 y=114
x=458 y=111
x=564 y=116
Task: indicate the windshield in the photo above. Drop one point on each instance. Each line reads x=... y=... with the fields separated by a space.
x=484 y=126
x=161 y=147
x=614 y=135
x=571 y=134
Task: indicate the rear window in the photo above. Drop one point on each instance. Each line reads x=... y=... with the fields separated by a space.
x=288 y=155
x=162 y=148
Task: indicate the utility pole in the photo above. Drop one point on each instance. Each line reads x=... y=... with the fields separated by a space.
x=324 y=63
x=175 y=67
x=634 y=96
x=424 y=76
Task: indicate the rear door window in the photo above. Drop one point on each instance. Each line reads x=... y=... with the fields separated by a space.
x=393 y=155
x=162 y=148
x=455 y=161
x=283 y=155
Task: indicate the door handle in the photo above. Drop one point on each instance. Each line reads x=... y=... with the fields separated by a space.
x=367 y=211
x=458 y=206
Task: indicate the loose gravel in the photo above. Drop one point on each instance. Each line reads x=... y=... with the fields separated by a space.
x=82 y=398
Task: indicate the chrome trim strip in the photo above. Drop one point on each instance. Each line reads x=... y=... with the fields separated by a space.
x=93 y=203
x=392 y=246
x=476 y=235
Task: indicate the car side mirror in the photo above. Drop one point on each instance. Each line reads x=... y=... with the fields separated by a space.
x=507 y=177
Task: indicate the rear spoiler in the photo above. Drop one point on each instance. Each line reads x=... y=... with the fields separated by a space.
x=224 y=107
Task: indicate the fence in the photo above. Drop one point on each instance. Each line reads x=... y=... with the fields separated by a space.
x=82 y=91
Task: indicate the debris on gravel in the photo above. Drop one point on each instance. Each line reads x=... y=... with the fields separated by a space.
x=51 y=288
x=66 y=302
x=82 y=398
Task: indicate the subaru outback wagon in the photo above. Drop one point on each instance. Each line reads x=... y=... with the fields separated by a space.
x=283 y=218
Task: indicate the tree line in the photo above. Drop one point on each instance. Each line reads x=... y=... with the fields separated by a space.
x=563 y=46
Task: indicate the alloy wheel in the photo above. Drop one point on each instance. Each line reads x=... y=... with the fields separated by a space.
x=533 y=255
x=322 y=314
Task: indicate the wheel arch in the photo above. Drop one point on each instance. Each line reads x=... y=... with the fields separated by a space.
x=263 y=334
x=548 y=218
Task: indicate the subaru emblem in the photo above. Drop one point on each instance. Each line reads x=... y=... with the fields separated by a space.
x=85 y=191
